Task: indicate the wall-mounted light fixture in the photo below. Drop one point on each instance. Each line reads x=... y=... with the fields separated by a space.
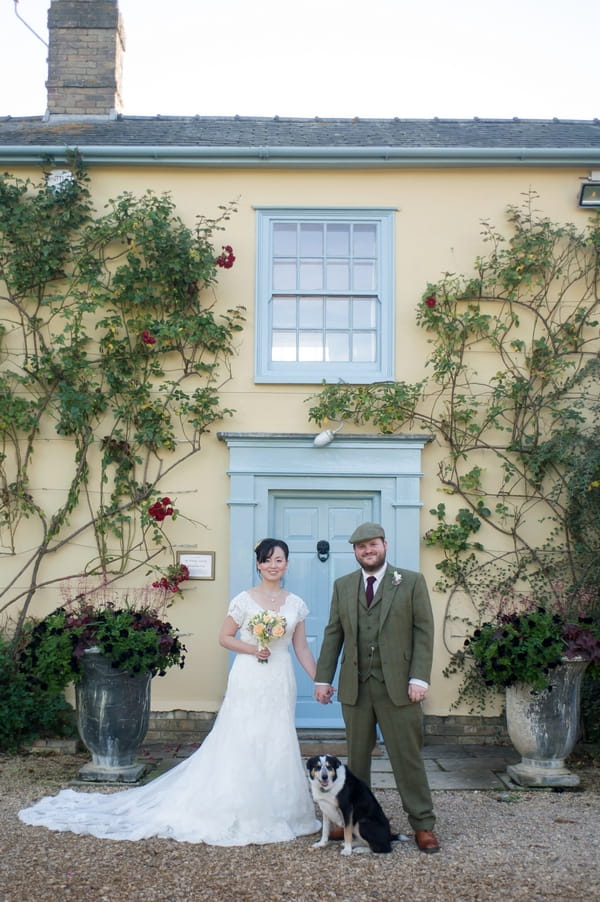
x=589 y=195
x=58 y=179
x=326 y=437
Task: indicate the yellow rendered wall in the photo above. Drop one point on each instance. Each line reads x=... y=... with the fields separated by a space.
x=439 y=213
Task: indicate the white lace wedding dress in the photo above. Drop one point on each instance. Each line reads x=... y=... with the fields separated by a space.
x=246 y=783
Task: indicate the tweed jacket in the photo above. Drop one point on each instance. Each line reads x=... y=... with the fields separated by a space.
x=405 y=634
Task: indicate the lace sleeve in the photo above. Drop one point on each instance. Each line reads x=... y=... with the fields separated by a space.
x=237 y=608
x=303 y=611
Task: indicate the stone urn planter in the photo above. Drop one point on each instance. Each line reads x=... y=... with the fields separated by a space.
x=544 y=726
x=113 y=711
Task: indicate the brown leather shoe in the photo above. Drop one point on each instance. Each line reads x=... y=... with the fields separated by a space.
x=427 y=841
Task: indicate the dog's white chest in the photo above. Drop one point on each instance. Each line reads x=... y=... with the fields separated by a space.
x=331 y=810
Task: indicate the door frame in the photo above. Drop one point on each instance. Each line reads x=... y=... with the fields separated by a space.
x=261 y=462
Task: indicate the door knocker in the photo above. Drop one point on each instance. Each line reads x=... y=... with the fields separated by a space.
x=323 y=550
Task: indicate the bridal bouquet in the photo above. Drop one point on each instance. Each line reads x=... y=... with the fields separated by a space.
x=266 y=626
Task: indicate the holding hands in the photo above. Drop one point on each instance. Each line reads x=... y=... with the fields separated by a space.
x=324 y=693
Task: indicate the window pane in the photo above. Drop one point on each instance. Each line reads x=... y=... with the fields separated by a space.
x=363 y=347
x=311 y=239
x=337 y=313
x=284 y=275
x=364 y=276
x=310 y=346
x=310 y=313
x=284 y=239
x=364 y=314
x=311 y=275
x=338 y=275
x=284 y=313
x=365 y=240
x=337 y=347
x=283 y=347
x=338 y=240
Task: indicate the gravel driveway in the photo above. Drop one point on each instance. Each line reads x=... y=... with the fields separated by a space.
x=522 y=846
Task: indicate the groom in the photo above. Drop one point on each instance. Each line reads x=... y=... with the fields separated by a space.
x=382 y=616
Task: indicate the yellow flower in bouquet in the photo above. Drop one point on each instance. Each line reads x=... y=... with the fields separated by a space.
x=266 y=626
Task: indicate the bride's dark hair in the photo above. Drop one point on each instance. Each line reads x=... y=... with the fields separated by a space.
x=265 y=547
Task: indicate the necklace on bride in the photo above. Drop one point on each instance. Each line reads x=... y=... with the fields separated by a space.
x=271 y=596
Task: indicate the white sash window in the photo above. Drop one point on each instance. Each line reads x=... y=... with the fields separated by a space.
x=324 y=302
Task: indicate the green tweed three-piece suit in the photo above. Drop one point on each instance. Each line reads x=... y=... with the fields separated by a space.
x=383 y=646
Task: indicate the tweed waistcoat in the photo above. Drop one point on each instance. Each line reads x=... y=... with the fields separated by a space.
x=369 y=657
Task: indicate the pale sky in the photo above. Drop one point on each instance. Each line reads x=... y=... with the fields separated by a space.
x=369 y=58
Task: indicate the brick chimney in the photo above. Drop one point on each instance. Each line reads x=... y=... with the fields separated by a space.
x=85 y=57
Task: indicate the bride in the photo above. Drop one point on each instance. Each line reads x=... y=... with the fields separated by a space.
x=246 y=783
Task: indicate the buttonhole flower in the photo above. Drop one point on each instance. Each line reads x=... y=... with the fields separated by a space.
x=396 y=578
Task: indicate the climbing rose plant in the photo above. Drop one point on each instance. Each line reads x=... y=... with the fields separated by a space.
x=113 y=343
x=520 y=471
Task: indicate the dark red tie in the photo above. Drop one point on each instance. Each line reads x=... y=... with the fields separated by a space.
x=369 y=589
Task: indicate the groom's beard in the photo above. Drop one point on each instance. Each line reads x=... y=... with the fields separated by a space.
x=373 y=562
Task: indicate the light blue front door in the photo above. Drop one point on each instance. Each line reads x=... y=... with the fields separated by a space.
x=304 y=520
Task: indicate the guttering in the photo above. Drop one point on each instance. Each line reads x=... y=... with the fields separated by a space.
x=306 y=157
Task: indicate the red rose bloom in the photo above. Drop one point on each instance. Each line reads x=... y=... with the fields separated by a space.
x=430 y=301
x=161 y=509
x=175 y=576
x=226 y=259
x=147 y=338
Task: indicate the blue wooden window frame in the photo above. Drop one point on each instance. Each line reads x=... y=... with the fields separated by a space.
x=378 y=298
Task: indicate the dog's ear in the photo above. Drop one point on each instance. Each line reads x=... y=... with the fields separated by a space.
x=335 y=762
x=310 y=763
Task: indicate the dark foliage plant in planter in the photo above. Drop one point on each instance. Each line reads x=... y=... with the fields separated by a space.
x=136 y=639
x=523 y=643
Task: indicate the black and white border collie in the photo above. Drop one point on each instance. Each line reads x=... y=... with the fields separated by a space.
x=348 y=802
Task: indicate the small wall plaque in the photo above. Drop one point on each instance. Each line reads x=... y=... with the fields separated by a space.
x=201 y=564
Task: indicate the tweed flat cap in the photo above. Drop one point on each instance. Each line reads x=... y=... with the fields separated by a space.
x=367 y=531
